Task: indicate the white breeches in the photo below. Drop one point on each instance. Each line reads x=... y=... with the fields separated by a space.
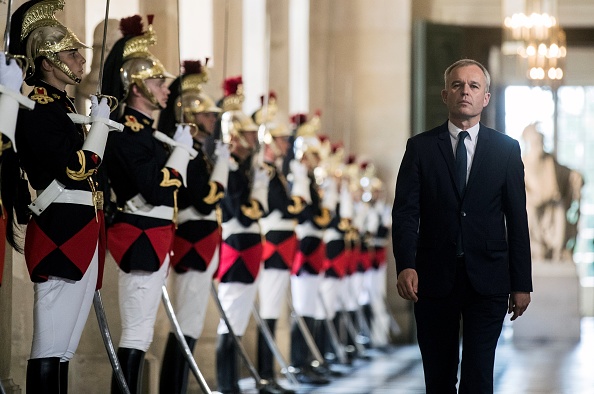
x=139 y=296
x=60 y=311
x=304 y=290
x=273 y=285
x=237 y=300
x=329 y=288
x=191 y=290
x=351 y=285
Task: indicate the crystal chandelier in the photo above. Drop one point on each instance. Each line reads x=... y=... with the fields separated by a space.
x=534 y=34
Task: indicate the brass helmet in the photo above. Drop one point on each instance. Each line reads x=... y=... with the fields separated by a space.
x=131 y=59
x=306 y=135
x=42 y=35
x=192 y=99
x=270 y=122
x=233 y=121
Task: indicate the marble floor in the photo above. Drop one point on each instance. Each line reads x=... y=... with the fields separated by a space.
x=539 y=367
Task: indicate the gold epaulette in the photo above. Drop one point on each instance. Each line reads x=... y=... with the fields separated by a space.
x=133 y=123
x=41 y=96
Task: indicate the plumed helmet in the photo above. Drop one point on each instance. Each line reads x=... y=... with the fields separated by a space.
x=233 y=121
x=36 y=33
x=192 y=99
x=306 y=134
x=131 y=61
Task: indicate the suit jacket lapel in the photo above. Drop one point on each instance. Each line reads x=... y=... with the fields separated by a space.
x=445 y=146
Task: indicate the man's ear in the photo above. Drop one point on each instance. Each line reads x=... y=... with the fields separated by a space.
x=46 y=65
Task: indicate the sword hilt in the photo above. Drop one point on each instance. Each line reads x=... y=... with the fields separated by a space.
x=112 y=102
x=21 y=60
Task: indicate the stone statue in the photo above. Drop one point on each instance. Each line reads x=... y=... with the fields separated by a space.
x=553 y=194
x=89 y=83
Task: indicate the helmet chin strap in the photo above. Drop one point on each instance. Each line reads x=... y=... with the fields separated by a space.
x=53 y=58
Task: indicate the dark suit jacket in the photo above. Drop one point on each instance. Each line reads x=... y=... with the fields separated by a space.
x=429 y=212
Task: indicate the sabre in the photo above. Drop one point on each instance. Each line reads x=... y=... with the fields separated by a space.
x=111 y=353
x=112 y=101
x=350 y=326
x=182 y=342
x=22 y=61
x=243 y=353
x=193 y=126
x=262 y=127
x=274 y=347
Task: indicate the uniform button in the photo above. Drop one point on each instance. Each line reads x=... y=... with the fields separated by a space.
x=463 y=214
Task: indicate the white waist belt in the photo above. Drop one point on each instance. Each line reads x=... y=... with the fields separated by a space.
x=137 y=205
x=308 y=230
x=233 y=226
x=275 y=222
x=190 y=214
x=56 y=192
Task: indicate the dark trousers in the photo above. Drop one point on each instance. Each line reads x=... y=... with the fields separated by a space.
x=438 y=332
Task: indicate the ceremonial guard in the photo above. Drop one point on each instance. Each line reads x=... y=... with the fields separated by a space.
x=198 y=236
x=278 y=227
x=337 y=254
x=64 y=243
x=145 y=178
x=11 y=79
x=306 y=272
x=241 y=249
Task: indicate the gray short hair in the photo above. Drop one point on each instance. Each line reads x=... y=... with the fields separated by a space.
x=467 y=62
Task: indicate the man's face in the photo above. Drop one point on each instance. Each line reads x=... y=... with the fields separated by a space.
x=207 y=120
x=282 y=143
x=465 y=93
x=74 y=61
x=158 y=87
x=250 y=138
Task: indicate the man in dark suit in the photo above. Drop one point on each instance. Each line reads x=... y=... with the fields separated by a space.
x=460 y=236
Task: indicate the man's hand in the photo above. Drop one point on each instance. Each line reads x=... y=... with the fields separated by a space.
x=518 y=302
x=408 y=284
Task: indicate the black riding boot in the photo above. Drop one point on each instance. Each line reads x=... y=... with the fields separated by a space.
x=265 y=357
x=227 y=375
x=131 y=362
x=43 y=375
x=64 y=377
x=175 y=368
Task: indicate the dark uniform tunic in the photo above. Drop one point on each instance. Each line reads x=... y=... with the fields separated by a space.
x=196 y=240
x=280 y=244
x=62 y=240
x=241 y=249
x=311 y=253
x=136 y=165
x=337 y=255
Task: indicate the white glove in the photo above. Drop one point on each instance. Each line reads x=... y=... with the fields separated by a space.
x=222 y=151
x=372 y=221
x=11 y=75
x=220 y=172
x=99 y=109
x=346 y=201
x=301 y=181
x=386 y=216
x=260 y=186
x=97 y=137
x=330 y=198
x=182 y=136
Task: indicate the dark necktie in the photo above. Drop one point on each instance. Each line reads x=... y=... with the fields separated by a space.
x=461 y=168
x=461 y=162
